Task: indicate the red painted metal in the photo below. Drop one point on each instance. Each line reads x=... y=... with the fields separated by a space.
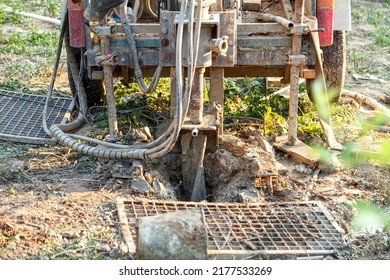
x=325 y=20
x=76 y=23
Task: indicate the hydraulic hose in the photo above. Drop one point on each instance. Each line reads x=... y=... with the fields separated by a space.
x=164 y=143
x=149 y=9
x=133 y=48
x=80 y=88
x=192 y=58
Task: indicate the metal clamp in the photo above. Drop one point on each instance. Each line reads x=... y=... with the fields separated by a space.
x=296 y=59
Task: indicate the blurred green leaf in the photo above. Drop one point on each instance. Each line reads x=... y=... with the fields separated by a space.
x=370 y=217
x=379 y=119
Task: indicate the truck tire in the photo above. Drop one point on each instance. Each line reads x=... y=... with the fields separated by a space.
x=93 y=88
x=335 y=61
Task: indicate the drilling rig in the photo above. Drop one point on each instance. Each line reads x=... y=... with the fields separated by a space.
x=188 y=41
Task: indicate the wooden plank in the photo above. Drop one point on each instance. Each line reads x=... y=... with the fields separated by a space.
x=300 y=152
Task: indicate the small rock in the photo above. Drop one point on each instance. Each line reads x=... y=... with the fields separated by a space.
x=11 y=246
x=157 y=186
x=248 y=196
x=254 y=167
x=105 y=248
x=317 y=141
x=138 y=135
x=140 y=185
x=282 y=170
x=70 y=235
x=331 y=166
x=303 y=169
x=234 y=145
x=266 y=146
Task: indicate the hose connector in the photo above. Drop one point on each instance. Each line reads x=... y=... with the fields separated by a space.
x=195 y=132
x=219 y=46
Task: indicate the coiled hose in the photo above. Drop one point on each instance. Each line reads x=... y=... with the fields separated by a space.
x=161 y=145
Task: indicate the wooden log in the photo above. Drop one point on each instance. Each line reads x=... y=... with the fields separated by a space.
x=366 y=100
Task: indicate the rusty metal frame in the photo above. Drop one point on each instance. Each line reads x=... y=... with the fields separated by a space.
x=250 y=230
x=21 y=116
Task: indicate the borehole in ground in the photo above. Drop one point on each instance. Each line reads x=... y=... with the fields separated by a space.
x=238 y=171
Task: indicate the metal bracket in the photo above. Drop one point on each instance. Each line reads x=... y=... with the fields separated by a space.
x=227 y=27
x=102 y=30
x=296 y=59
x=167 y=39
x=300 y=29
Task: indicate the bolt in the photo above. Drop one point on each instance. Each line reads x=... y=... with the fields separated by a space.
x=230 y=58
x=229 y=32
x=230 y=20
x=165 y=57
x=164 y=19
x=164 y=42
x=230 y=43
x=164 y=30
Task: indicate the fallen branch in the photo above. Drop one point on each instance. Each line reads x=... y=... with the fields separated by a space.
x=366 y=100
x=372 y=103
x=355 y=104
x=383 y=129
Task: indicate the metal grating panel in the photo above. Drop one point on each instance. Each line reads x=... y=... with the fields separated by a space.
x=237 y=230
x=21 y=116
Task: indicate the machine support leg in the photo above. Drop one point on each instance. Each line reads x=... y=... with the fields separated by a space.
x=196 y=103
x=216 y=93
x=293 y=106
x=109 y=89
x=294 y=76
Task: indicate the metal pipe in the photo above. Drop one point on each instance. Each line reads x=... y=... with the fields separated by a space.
x=149 y=9
x=218 y=46
x=281 y=20
x=109 y=88
x=38 y=17
x=196 y=105
x=294 y=77
x=136 y=9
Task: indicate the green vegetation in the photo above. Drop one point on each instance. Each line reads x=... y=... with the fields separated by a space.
x=31 y=44
x=375 y=18
x=249 y=97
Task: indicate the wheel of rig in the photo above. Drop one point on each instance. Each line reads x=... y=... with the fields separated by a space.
x=334 y=64
x=93 y=88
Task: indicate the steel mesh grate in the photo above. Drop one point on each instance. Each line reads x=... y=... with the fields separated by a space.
x=21 y=116
x=238 y=230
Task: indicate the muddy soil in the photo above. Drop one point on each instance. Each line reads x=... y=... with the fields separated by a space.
x=58 y=204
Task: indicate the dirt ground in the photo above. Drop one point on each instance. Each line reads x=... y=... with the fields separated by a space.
x=58 y=204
